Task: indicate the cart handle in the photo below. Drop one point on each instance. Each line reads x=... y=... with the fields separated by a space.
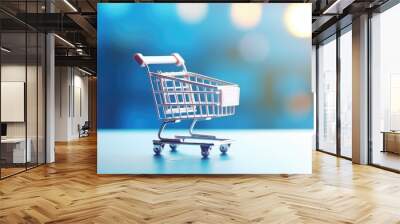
x=175 y=58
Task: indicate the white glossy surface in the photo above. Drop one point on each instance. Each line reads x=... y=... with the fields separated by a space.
x=253 y=152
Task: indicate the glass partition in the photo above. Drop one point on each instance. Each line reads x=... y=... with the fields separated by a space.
x=346 y=93
x=22 y=88
x=385 y=89
x=14 y=153
x=32 y=96
x=327 y=96
x=41 y=97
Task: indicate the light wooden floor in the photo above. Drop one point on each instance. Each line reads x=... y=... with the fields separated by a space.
x=69 y=191
x=10 y=171
x=387 y=159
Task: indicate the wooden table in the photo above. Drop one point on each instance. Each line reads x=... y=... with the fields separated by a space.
x=391 y=141
x=13 y=150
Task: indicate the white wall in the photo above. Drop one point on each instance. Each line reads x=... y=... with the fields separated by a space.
x=71 y=102
x=33 y=127
x=12 y=73
x=80 y=110
x=62 y=82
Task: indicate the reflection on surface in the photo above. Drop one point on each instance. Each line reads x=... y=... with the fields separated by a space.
x=252 y=152
x=387 y=159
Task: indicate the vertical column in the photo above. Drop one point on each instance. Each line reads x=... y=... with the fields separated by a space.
x=317 y=97
x=314 y=91
x=360 y=90
x=62 y=103
x=92 y=103
x=50 y=92
x=338 y=91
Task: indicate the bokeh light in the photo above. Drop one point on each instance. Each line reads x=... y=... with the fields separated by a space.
x=246 y=16
x=253 y=47
x=192 y=12
x=300 y=103
x=297 y=20
x=270 y=65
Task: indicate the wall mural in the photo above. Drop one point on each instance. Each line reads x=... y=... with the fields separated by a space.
x=204 y=88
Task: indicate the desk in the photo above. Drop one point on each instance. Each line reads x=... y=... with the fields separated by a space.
x=15 y=148
x=391 y=141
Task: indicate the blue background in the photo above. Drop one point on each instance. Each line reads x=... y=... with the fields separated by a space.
x=271 y=89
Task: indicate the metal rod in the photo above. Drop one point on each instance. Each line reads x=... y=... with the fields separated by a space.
x=338 y=98
x=202 y=136
x=162 y=128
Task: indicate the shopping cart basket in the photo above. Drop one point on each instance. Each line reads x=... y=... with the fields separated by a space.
x=186 y=95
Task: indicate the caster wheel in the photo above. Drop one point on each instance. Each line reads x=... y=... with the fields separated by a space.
x=224 y=148
x=205 y=150
x=173 y=147
x=158 y=148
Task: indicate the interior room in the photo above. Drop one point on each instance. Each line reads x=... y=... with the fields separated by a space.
x=199 y=112
x=23 y=96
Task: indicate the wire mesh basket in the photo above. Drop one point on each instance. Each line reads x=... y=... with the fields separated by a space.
x=186 y=95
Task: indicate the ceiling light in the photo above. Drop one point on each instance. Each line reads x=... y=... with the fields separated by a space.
x=5 y=50
x=333 y=6
x=70 y=5
x=65 y=41
x=337 y=7
x=84 y=71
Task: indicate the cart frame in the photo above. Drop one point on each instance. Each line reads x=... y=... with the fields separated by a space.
x=186 y=95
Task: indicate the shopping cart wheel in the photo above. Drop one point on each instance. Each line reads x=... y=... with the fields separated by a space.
x=205 y=150
x=224 y=148
x=157 y=148
x=173 y=147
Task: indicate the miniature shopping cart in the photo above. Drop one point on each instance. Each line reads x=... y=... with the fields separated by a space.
x=186 y=95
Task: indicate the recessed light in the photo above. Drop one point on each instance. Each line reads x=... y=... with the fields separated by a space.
x=70 y=5
x=5 y=50
x=84 y=71
x=64 y=40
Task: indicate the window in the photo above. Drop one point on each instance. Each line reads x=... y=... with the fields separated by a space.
x=327 y=96
x=385 y=89
x=346 y=93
